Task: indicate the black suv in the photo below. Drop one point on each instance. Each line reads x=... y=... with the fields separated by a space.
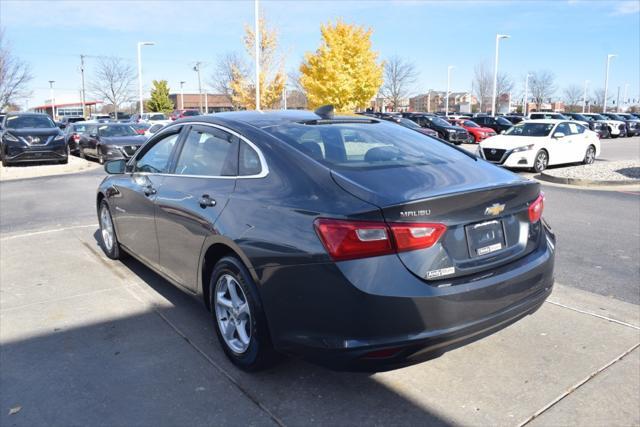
x=597 y=126
x=498 y=124
x=31 y=137
x=446 y=131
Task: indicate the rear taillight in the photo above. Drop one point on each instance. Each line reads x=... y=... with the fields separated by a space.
x=409 y=237
x=345 y=240
x=536 y=208
x=76 y=137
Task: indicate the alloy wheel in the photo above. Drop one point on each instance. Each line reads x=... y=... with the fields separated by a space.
x=106 y=228
x=590 y=157
x=541 y=161
x=233 y=314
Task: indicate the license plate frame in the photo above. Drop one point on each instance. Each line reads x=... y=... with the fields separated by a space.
x=485 y=238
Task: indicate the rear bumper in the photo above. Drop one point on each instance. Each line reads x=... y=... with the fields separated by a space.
x=376 y=315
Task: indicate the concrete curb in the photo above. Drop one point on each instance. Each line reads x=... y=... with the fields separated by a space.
x=584 y=182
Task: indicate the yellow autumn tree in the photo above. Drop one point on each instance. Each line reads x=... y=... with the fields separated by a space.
x=344 y=71
x=272 y=76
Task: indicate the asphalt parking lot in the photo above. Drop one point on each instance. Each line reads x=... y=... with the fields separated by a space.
x=86 y=340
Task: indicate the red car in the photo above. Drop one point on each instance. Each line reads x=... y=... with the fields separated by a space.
x=476 y=132
x=178 y=114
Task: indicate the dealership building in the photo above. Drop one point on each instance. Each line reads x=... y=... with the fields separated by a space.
x=213 y=103
x=66 y=107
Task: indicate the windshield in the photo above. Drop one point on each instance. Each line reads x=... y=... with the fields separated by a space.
x=438 y=121
x=530 y=129
x=615 y=117
x=157 y=117
x=409 y=124
x=577 y=116
x=23 y=122
x=364 y=145
x=503 y=121
x=116 y=130
x=598 y=117
x=470 y=124
x=191 y=113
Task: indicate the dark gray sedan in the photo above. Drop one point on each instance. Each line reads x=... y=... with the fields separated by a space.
x=353 y=242
x=109 y=141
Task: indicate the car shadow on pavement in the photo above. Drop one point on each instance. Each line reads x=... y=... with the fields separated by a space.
x=295 y=391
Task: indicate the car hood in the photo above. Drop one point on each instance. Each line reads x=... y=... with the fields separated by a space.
x=35 y=131
x=508 y=141
x=391 y=186
x=481 y=129
x=123 y=140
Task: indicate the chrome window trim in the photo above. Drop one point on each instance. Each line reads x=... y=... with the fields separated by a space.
x=263 y=163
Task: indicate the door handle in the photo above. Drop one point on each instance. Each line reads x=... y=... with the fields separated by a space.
x=149 y=190
x=206 y=201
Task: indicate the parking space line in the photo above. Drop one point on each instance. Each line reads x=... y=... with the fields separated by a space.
x=576 y=386
x=36 y=233
x=609 y=319
x=212 y=362
x=20 y=307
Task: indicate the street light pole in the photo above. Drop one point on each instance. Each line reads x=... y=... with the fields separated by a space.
x=197 y=70
x=526 y=95
x=584 y=97
x=53 y=102
x=624 y=98
x=182 y=94
x=140 y=44
x=257 y=52
x=446 y=101
x=606 y=83
x=82 y=97
x=495 y=72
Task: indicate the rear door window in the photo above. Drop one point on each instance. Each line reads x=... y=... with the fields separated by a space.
x=209 y=152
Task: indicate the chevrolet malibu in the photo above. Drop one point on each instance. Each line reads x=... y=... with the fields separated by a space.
x=536 y=144
x=353 y=242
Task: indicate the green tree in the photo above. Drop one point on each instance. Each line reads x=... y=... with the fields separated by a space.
x=344 y=71
x=160 y=101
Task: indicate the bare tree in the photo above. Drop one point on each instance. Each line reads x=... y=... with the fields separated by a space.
x=113 y=81
x=15 y=75
x=296 y=96
x=223 y=73
x=572 y=96
x=542 y=84
x=597 y=99
x=399 y=75
x=482 y=84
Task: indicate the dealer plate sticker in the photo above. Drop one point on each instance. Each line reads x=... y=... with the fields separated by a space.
x=440 y=273
x=489 y=249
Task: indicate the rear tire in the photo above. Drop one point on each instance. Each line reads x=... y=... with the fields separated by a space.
x=589 y=156
x=239 y=319
x=541 y=161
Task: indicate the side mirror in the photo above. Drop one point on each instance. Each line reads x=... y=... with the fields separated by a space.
x=115 y=167
x=93 y=134
x=559 y=135
x=502 y=132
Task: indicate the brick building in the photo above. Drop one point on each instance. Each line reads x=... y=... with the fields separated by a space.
x=215 y=102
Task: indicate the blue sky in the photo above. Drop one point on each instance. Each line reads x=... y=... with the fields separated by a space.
x=570 y=38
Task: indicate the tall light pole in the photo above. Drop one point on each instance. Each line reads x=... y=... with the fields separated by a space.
x=606 y=83
x=140 y=44
x=182 y=94
x=256 y=32
x=526 y=94
x=495 y=72
x=624 y=98
x=446 y=101
x=53 y=102
x=584 y=97
x=196 y=68
x=82 y=95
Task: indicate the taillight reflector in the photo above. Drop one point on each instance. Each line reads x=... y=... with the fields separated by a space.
x=345 y=240
x=536 y=208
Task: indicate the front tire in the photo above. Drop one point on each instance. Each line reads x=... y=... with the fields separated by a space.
x=239 y=319
x=109 y=239
x=590 y=156
x=541 y=161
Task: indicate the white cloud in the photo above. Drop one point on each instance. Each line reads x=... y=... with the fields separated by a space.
x=627 y=7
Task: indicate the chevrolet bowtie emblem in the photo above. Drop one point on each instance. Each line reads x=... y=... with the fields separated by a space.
x=495 y=209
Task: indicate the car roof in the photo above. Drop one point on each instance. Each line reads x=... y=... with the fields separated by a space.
x=548 y=121
x=263 y=119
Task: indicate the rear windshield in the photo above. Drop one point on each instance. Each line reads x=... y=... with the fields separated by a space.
x=117 y=130
x=24 y=122
x=190 y=113
x=409 y=123
x=503 y=121
x=364 y=145
x=530 y=129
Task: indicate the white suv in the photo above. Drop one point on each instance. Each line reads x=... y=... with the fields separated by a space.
x=616 y=127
